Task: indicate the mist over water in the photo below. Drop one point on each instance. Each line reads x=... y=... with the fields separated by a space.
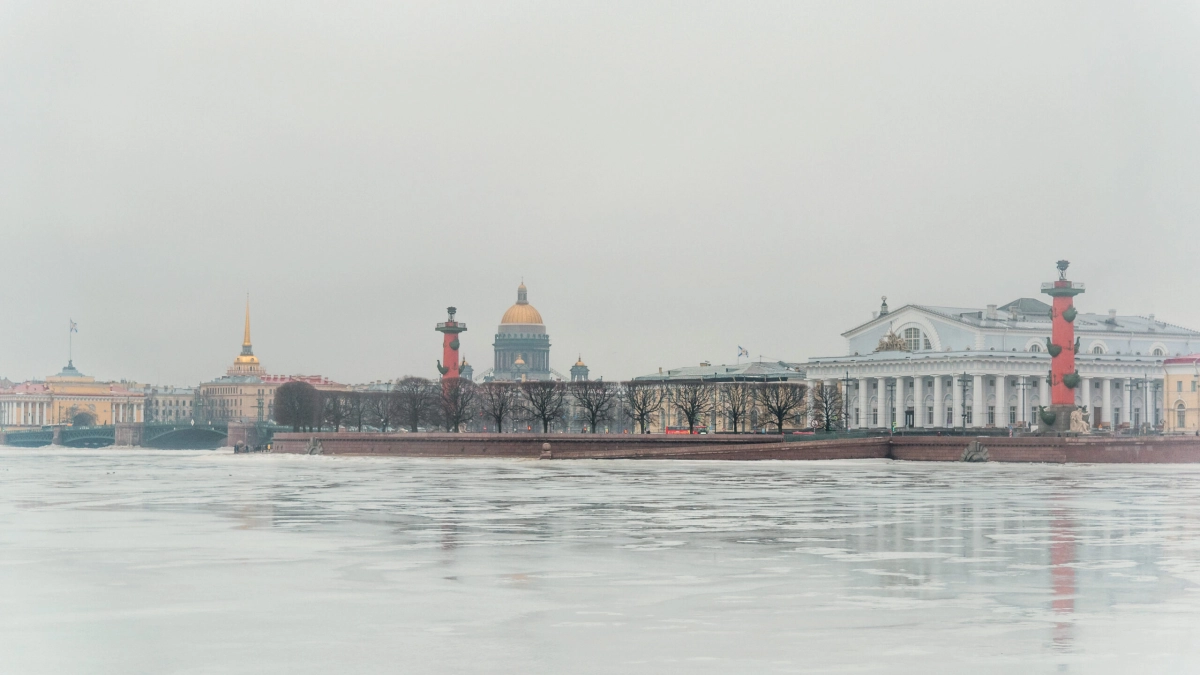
x=136 y=561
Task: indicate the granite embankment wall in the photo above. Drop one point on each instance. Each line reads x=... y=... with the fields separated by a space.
x=1124 y=450
x=1067 y=449
x=580 y=446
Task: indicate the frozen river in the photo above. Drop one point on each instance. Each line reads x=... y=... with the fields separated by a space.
x=153 y=562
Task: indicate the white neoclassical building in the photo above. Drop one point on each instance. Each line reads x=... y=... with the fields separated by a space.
x=928 y=366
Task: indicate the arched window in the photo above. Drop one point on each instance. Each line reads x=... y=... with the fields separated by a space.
x=1097 y=349
x=1158 y=351
x=1035 y=348
x=1180 y=416
x=915 y=341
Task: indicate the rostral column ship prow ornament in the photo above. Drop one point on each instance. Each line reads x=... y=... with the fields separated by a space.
x=1062 y=414
x=449 y=364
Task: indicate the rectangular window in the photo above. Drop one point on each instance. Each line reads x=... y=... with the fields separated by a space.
x=929 y=415
x=1179 y=386
x=1193 y=385
x=1012 y=414
x=970 y=415
x=856 y=418
x=874 y=416
x=1137 y=417
x=1116 y=416
x=949 y=416
x=991 y=415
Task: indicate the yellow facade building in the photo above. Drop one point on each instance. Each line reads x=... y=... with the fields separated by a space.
x=1181 y=397
x=70 y=397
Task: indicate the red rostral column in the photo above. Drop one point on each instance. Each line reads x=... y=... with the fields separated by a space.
x=450 y=330
x=1063 y=377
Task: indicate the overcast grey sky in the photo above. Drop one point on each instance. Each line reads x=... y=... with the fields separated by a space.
x=672 y=179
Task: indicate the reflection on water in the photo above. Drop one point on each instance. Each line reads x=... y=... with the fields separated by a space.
x=143 y=561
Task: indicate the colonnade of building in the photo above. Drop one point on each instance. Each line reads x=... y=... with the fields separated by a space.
x=35 y=413
x=989 y=400
x=25 y=413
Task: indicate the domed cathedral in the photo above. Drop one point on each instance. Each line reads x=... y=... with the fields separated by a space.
x=522 y=345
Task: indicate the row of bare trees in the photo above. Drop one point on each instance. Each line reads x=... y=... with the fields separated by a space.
x=414 y=403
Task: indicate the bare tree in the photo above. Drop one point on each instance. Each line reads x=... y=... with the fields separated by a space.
x=417 y=401
x=544 y=401
x=297 y=405
x=642 y=400
x=596 y=398
x=333 y=409
x=500 y=401
x=458 y=401
x=356 y=409
x=382 y=408
x=781 y=400
x=737 y=400
x=827 y=406
x=693 y=400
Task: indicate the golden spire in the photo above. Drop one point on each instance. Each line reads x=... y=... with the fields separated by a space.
x=246 y=340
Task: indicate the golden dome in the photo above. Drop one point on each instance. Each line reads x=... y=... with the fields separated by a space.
x=522 y=312
x=580 y=361
x=519 y=362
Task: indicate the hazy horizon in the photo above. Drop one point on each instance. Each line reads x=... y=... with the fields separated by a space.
x=671 y=180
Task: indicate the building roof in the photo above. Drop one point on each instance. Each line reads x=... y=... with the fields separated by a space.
x=756 y=371
x=522 y=312
x=1032 y=314
x=1189 y=360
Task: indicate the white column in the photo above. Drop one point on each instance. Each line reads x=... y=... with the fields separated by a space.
x=1001 y=401
x=885 y=403
x=1085 y=395
x=1127 y=407
x=956 y=391
x=939 y=408
x=1021 y=404
x=919 y=419
x=978 y=414
x=898 y=407
x=1106 y=398
x=1043 y=392
x=864 y=399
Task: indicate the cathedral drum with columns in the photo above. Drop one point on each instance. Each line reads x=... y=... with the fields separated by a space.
x=933 y=366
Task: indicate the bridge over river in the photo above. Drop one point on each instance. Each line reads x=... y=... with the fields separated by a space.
x=160 y=436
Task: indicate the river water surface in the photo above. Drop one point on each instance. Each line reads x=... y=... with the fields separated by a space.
x=136 y=561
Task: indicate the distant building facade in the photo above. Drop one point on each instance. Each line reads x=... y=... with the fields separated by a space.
x=169 y=405
x=934 y=366
x=1181 y=380
x=706 y=373
x=70 y=397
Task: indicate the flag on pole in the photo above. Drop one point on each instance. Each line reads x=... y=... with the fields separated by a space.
x=742 y=351
x=74 y=326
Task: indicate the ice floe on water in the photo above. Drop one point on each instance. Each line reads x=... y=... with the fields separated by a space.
x=128 y=561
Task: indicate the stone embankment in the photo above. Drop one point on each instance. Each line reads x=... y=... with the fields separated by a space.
x=1123 y=450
